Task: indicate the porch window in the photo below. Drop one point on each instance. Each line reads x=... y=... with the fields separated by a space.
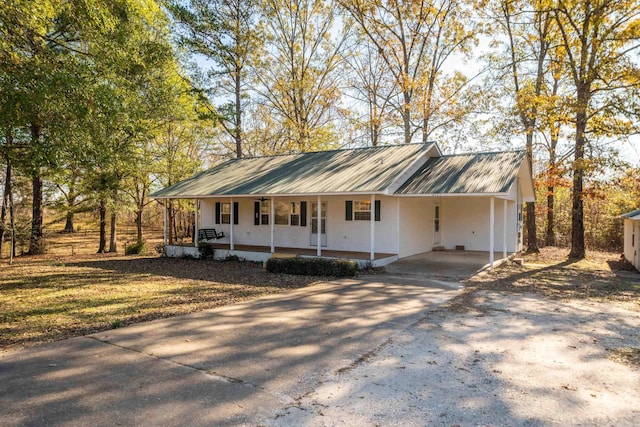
x=362 y=210
x=264 y=213
x=281 y=211
x=295 y=213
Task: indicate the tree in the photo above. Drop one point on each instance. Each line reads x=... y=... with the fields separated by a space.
x=298 y=77
x=416 y=38
x=597 y=38
x=225 y=33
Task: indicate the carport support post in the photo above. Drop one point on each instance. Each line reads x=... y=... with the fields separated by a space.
x=372 y=237
x=273 y=225
x=233 y=215
x=319 y=227
x=504 y=230
x=491 y=231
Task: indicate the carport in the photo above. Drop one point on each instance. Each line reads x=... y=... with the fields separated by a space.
x=456 y=265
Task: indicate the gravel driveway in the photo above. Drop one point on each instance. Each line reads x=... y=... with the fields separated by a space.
x=515 y=359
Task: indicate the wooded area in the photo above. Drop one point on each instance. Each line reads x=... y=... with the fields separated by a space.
x=102 y=102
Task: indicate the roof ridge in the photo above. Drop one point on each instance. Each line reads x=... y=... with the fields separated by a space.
x=335 y=150
x=474 y=153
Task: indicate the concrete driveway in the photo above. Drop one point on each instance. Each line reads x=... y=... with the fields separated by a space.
x=444 y=266
x=239 y=364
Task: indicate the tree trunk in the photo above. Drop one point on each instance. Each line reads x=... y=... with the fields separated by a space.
x=36 y=245
x=139 y=226
x=5 y=203
x=113 y=244
x=532 y=238
x=238 y=112
x=577 y=206
x=550 y=237
x=406 y=118
x=103 y=226
x=68 y=226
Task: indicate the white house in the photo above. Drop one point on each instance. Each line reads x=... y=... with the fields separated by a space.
x=377 y=204
x=632 y=237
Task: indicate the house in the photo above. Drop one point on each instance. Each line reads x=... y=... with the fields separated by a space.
x=632 y=237
x=374 y=204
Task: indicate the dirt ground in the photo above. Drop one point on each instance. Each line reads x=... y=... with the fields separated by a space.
x=546 y=343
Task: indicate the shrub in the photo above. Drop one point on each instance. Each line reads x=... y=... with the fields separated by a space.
x=312 y=267
x=135 y=249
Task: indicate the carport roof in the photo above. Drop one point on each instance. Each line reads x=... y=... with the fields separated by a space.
x=632 y=215
x=466 y=174
x=359 y=170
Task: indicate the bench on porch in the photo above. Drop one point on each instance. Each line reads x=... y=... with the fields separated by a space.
x=209 y=234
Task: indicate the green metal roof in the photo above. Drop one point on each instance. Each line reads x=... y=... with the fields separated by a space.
x=466 y=174
x=368 y=170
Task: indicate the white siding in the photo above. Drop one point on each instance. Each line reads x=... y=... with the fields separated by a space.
x=416 y=225
x=632 y=244
x=465 y=222
x=341 y=234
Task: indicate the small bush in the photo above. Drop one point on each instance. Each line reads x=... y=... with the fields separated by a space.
x=135 y=249
x=232 y=258
x=312 y=267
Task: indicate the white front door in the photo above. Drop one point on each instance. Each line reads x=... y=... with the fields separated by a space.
x=436 y=224
x=314 y=224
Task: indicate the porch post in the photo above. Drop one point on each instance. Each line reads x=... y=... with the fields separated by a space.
x=398 y=226
x=319 y=227
x=273 y=225
x=491 y=232
x=504 y=230
x=233 y=215
x=372 y=237
x=195 y=225
x=164 y=224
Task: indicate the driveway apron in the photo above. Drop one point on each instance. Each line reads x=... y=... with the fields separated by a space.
x=238 y=364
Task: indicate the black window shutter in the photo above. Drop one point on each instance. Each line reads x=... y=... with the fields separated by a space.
x=348 y=207
x=235 y=212
x=377 y=210
x=303 y=214
x=256 y=213
x=217 y=212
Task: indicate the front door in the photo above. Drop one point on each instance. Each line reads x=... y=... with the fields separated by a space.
x=314 y=224
x=436 y=224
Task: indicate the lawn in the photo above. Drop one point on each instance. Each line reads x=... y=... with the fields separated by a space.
x=601 y=276
x=52 y=297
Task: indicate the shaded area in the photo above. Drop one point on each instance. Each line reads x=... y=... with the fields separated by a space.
x=231 y=365
x=45 y=299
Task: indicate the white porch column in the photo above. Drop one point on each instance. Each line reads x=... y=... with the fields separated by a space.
x=318 y=227
x=398 y=226
x=164 y=224
x=504 y=230
x=491 y=231
x=372 y=237
x=195 y=225
x=231 y=226
x=273 y=225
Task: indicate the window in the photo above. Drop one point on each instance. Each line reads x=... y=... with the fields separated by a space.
x=362 y=211
x=436 y=219
x=225 y=213
x=281 y=213
x=295 y=213
x=264 y=213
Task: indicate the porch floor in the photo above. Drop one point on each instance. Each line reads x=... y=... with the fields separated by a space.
x=302 y=251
